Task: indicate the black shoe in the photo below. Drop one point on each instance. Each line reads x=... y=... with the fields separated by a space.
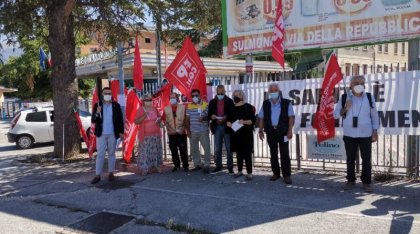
x=231 y=172
x=287 y=180
x=95 y=180
x=174 y=169
x=111 y=177
x=274 y=177
x=216 y=170
x=186 y=169
x=196 y=168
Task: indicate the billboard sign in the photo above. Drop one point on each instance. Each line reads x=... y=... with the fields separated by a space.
x=248 y=24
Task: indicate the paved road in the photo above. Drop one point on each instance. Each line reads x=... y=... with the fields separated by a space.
x=52 y=198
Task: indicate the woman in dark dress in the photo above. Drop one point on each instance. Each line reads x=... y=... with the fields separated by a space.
x=242 y=140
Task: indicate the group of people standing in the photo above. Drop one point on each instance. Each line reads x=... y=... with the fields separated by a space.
x=231 y=121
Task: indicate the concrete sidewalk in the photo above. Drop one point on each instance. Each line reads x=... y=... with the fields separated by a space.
x=61 y=197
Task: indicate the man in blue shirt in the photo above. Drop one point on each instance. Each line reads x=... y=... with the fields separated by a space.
x=360 y=129
x=108 y=117
x=276 y=119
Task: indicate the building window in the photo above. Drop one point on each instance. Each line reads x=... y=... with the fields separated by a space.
x=403 y=48
x=385 y=68
x=365 y=48
x=348 y=65
x=356 y=48
x=356 y=69
x=380 y=48
x=147 y=40
x=379 y=69
x=386 y=48
x=365 y=69
x=92 y=50
x=395 y=48
x=347 y=48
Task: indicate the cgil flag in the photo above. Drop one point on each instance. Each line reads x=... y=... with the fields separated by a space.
x=91 y=134
x=324 y=121
x=277 y=50
x=186 y=71
x=138 y=74
x=130 y=128
x=161 y=98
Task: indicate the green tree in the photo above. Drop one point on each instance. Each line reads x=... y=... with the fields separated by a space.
x=59 y=22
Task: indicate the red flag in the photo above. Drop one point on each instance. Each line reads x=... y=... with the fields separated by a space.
x=82 y=130
x=186 y=71
x=277 y=50
x=130 y=128
x=161 y=98
x=115 y=88
x=92 y=137
x=138 y=75
x=324 y=120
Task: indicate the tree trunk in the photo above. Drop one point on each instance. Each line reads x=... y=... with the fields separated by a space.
x=61 y=42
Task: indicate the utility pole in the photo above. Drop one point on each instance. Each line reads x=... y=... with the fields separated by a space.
x=158 y=56
x=121 y=96
x=413 y=141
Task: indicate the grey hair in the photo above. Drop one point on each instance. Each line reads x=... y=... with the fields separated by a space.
x=240 y=91
x=357 y=77
x=145 y=96
x=274 y=85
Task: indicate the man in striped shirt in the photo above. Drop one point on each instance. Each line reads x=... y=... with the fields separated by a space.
x=198 y=131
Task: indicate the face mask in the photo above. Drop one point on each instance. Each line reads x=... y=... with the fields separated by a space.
x=220 y=96
x=173 y=101
x=107 y=98
x=236 y=99
x=196 y=99
x=359 y=89
x=274 y=96
x=147 y=103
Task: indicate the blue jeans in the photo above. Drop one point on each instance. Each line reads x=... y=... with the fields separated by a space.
x=219 y=136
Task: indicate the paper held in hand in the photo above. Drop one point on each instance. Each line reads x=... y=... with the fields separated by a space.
x=236 y=125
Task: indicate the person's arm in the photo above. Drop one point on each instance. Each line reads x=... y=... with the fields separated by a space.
x=210 y=112
x=291 y=115
x=375 y=120
x=252 y=117
x=120 y=122
x=261 y=124
x=95 y=115
x=140 y=117
x=187 y=124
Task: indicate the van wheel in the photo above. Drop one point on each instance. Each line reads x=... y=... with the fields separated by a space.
x=24 y=142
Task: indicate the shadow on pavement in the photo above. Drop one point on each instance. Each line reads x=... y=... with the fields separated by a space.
x=217 y=203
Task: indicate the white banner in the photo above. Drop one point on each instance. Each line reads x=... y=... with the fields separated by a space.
x=248 y=25
x=329 y=150
x=397 y=100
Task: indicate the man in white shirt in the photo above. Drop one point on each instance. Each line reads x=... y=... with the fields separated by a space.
x=360 y=128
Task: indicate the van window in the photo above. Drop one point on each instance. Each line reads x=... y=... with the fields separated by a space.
x=36 y=117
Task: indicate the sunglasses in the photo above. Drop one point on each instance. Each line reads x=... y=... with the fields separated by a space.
x=194 y=95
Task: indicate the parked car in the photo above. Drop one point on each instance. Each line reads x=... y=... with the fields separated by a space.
x=36 y=125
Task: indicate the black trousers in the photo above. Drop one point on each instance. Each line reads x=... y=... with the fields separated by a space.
x=177 y=143
x=365 y=146
x=247 y=156
x=275 y=142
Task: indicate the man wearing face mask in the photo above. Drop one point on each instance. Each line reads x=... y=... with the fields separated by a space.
x=360 y=129
x=220 y=112
x=276 y=119
x=198 y=131
x=175 y=121
x=108 y=118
